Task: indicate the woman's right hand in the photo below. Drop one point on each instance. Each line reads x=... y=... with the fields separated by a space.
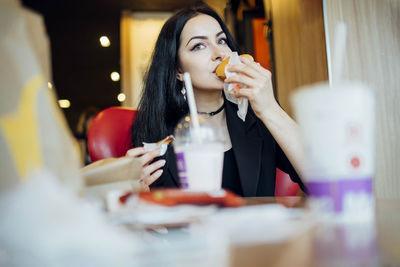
x=150 y=171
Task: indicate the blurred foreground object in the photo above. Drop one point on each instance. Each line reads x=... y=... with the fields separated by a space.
x=48 y=225
x=172 y=197
x=338 y=126
x=33 y=132
x=111 y=174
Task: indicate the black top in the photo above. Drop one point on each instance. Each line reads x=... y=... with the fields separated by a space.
x=230 y=174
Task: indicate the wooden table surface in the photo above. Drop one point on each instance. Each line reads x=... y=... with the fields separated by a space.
x=351 y=244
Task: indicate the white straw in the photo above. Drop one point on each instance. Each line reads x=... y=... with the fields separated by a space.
x=190 y=97
x=339 y=52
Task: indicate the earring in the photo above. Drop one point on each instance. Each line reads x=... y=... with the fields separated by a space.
x=183 y=91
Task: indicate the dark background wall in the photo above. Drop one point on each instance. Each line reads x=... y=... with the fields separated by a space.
x=81 y=66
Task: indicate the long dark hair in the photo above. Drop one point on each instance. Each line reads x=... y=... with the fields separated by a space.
x=162 y=104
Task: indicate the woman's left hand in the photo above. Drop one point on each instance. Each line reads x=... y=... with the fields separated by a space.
x=256 y=85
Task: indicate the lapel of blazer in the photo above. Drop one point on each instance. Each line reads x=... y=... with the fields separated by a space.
x=247 y=145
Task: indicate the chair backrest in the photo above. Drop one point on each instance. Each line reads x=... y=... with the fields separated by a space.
x=284 y=186
x=109 y=134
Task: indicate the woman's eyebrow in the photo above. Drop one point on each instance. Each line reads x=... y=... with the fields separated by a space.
x=202 y=37
x=218 y=34
x=197 y=37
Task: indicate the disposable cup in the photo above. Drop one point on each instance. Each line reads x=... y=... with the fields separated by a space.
x=337 y=125
x=199 y=153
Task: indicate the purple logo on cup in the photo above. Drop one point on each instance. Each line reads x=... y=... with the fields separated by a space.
x=180 y=161
x=341 y=194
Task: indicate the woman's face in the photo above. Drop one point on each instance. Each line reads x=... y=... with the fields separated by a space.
x=202 y=48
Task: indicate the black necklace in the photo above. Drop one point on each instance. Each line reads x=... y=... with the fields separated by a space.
x=212 y=113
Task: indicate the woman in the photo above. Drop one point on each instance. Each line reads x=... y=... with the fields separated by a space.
x=196 y=40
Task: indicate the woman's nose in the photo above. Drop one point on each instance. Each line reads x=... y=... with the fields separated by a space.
x=218 y=53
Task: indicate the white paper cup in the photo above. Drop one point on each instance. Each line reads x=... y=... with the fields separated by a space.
x=337 y=125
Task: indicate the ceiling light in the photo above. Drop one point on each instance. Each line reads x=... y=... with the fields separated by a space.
x=64 y=103
x=104 y=41
x=115 y=76
x=121 y=97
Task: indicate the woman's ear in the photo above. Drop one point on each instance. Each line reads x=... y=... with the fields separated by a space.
x=179 y=74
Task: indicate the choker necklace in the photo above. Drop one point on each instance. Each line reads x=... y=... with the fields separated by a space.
x=212 y=113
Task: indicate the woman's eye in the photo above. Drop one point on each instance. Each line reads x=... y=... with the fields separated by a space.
x=198 y=47
x=222 y=41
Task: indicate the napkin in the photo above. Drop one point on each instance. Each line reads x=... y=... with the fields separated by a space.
x=241 y=102
x=162 y=145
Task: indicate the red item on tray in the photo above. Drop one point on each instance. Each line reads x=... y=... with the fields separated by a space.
x=172 y=197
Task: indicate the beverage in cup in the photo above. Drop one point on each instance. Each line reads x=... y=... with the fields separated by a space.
x=199 y=154
x=337 y=125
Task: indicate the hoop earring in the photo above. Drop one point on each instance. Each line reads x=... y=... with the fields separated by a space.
x=183 y=91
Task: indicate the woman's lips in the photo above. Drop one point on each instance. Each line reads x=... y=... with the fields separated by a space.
x=215 y=69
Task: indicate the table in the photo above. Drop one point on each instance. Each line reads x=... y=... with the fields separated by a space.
x=355 y=244
x=376 y=243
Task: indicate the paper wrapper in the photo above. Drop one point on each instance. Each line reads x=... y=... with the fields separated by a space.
x=112 y=170
x=242 y=103
x=34 y=136
x=112 y=174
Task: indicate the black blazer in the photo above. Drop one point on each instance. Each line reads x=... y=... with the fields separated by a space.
x=256 y=152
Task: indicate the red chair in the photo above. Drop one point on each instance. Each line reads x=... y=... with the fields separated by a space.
x=109 y=133
x=109 y=136
x=284 y=185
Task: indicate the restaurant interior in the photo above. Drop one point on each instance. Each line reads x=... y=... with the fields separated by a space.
x=72 y=191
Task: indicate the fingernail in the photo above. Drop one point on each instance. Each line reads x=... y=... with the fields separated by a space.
x=162 y=162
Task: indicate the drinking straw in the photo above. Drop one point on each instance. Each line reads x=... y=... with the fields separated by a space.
x=190 y=97
x=339 y=52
